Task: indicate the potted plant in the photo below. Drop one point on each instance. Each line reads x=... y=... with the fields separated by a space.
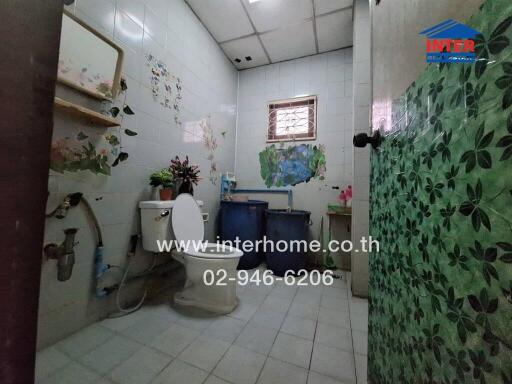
x=163 y=178
x=186 y=173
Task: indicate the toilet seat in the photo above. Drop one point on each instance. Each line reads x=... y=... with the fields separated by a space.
x=187 y=221
x=218 y=251
x=188 y=226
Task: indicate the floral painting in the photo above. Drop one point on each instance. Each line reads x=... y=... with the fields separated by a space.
x=440 y=300
x=72 y=156
x=293 y=165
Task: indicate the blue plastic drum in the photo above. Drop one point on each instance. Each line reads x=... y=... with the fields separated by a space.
x=287 y=226
x=245 y=220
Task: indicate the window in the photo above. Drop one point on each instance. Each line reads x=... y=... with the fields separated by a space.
x=292 y=119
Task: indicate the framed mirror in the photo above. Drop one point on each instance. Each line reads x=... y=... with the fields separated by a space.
x=88 y=61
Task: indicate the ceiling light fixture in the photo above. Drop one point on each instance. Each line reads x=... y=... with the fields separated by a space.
x=253 y=1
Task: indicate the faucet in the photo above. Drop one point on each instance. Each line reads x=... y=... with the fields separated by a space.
x=64 y=254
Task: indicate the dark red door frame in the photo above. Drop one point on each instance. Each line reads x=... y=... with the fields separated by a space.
x=30 y=34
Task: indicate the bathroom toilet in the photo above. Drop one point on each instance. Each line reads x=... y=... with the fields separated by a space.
x=210 y=267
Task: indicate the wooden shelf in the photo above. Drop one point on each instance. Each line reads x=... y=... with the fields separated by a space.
x=93 y=117
x=347 y=211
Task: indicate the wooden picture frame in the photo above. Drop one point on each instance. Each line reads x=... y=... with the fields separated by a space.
x=72 y=72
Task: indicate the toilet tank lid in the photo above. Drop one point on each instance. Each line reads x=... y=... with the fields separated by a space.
x=161 y=204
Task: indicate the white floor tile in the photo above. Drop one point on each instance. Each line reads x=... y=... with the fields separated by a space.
x=204 y=353
x=277 y=304
x=337 y=293
x=362 y=369
x=292 y=349
x=48 y=361
x=268 y=318
x=298 y=326
x=257 y=338
x=179 y=372
x=84 y=341
x=317 y=378
x=215 y=380
x=72 y=373
x=240 y=366
x=244 y=311
x=333 y=336
x=225 y=328
x=360 y=340
x=105 y=357
x=175 y=339
x=359 y=322
x=333 y=362
x=305 y=310
x=335 y=303
x=146 y=331
x=121 y=323
x=141 y=367
x=278 y=372
x=334 y=317
x=272 y=330
x=198 y=320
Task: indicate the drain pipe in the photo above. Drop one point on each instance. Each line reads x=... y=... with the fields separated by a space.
x=64 y=254
x=228 y=184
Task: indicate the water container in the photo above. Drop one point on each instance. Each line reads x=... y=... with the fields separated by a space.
x=287 y=226
x=245 y=220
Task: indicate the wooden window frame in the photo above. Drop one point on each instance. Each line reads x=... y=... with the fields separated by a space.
x=287 y=103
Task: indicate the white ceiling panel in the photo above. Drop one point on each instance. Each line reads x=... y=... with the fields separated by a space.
x=271 y=14
x=334 y=30
x=325 y=6
x=225 y=19
x=248 y=46
x=291 y=42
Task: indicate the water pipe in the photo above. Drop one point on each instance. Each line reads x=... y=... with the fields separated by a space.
x=228 y=184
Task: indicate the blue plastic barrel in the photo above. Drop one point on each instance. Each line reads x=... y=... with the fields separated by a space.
x=287 y=226
x=245 y=220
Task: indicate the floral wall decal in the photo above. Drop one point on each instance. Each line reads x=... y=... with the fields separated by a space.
x=210 y=143
x=441 y=207
x=93 y=82
x=71 y=156
x=165 y=87
x=293 y=165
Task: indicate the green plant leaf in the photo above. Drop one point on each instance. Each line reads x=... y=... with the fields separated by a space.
x=114 y=111
x=128 y=110
x=130 y=132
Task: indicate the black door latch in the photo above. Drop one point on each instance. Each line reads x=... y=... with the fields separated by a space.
x=361 y=139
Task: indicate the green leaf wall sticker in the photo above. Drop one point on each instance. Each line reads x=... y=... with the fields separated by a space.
x=441 y=207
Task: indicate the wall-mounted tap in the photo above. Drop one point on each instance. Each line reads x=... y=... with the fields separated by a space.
x=64 y=254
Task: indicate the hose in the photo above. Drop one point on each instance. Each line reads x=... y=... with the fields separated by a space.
x=126 y=311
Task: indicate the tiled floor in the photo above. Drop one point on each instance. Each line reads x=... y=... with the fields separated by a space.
x=278 y=334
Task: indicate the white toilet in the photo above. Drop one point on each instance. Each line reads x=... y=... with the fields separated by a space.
x=181 y=220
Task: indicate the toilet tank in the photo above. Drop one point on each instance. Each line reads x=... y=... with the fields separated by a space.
x=155 y=217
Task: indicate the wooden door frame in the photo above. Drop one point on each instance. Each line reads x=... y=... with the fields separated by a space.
x=30 y=33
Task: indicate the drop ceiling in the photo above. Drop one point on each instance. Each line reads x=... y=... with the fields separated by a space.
x=259 y=32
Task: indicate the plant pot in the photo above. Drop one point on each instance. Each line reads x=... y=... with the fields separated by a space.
x=186 y=187
x=165 y=194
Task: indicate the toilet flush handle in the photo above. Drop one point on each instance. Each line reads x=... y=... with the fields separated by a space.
x=162 y=215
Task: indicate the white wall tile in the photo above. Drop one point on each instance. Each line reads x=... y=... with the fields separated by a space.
x=170 y=31
x=322 y=75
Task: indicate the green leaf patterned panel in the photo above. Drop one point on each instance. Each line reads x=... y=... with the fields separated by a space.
x=441 y=207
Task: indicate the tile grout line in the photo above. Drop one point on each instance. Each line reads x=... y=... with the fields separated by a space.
x=352 y=333
x=277 y=334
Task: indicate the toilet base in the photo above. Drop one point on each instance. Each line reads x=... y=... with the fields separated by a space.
x=181 y=299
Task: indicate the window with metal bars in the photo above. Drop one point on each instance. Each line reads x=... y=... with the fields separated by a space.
x=292 y=119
